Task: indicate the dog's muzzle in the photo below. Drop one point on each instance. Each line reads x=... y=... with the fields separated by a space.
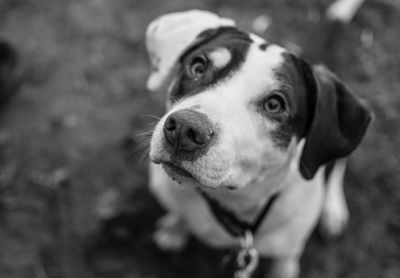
x=188 y=132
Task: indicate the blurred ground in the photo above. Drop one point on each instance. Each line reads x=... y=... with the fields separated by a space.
x=67 y=139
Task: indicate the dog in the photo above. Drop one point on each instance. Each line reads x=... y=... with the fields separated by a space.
x=253 y=147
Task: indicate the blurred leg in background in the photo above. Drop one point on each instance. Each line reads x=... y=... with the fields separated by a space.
x=323 y=40
x=10 y=72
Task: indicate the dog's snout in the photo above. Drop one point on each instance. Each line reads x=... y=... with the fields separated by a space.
x=188 y=130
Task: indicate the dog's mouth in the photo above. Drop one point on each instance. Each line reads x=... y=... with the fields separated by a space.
x=180 y=175
x=177 y=170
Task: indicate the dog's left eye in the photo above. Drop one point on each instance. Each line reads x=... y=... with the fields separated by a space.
x=198 y=67
x=274 y=104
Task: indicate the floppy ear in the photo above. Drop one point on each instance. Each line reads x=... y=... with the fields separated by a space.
x=339 y=123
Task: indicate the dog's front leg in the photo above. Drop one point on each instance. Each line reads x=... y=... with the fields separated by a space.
x=335 y=213
x=284 y=268
x=171 y=234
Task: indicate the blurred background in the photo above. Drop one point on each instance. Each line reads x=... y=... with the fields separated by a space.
x=73 y=183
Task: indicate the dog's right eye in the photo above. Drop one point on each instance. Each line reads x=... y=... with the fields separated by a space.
x=198 y=67
x=274 y=104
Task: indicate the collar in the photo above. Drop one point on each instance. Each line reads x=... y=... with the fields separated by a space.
x=232 y=224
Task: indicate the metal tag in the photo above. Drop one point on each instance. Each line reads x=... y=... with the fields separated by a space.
x=247 y=258
x=247 y=261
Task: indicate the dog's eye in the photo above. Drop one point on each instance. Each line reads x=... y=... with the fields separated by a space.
x=274 y=104
x=198 y=67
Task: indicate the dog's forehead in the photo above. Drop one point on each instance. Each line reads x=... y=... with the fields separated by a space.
x=243 y=67
x=264 y=60
x=233 y=45
x=228 y=37
x=259 y=72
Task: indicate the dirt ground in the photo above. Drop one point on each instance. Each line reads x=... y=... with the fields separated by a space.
x=73 y=195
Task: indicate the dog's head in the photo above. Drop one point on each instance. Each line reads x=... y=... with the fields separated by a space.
x=238 y=108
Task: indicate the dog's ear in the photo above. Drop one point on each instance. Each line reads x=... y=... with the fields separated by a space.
x=339 y=122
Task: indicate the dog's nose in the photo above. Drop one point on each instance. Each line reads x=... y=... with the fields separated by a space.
x=188 y=130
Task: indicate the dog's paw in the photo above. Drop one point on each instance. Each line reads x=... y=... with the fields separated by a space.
x=284 y=268
x=334 y=218
x=171 y=234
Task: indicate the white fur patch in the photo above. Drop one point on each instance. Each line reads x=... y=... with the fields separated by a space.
x=257 y=39
x=220 y=57
x=254 y=79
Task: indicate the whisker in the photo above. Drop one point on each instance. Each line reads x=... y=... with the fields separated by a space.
x=150 y=116
x=145 y=137
x=149 y=131
x=144 y=155
x=145 y=144
x=174 y=99
x=144 y=133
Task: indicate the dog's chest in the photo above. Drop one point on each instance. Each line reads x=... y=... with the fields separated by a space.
x=282 y=232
